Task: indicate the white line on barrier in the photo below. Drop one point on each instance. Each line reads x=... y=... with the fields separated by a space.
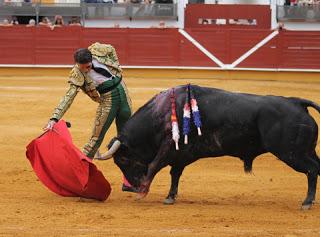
x=202 y=49
x=255 y=48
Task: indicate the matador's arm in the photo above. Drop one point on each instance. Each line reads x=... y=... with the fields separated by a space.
x=65 y=102
x=76 y=80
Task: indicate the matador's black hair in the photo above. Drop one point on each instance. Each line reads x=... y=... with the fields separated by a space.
x=82 y=56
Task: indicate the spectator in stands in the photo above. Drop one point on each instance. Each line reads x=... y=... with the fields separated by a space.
x=31 y=23
x=281 y=26
x=45 y=22
x=6 y=23
x=58 y=21
x=162 y=25
x=14 y=20
x=164 y=1
x=75 y=21
x=98 y=73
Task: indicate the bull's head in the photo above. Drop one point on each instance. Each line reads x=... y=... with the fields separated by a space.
x=128 y=161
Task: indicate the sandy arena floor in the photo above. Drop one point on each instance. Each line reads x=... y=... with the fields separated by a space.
x=215 y=198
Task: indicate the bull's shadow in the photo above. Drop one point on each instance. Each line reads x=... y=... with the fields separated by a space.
x=233 y=124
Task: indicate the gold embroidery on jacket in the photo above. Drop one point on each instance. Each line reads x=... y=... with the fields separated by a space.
x=65 y=102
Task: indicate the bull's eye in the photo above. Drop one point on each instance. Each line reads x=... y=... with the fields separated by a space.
x=124 y=160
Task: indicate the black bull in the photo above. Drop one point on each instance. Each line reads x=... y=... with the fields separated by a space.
x=233 y=124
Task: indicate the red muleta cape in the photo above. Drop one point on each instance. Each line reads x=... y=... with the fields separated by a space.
x=63 y=168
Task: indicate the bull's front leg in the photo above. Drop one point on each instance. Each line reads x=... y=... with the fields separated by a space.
x=175 y=172
x=154 y=167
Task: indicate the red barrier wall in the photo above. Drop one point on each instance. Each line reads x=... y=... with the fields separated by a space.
x=16 y=45
x=290 y=49
x=56 y=46
x=162 y=47
x=299 y=50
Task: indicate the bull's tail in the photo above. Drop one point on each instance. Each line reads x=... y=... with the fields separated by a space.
x=306 y=103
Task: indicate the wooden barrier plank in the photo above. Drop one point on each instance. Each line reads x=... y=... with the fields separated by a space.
x=16 y=45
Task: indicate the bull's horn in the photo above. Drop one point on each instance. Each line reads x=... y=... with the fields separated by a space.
x=107 y=155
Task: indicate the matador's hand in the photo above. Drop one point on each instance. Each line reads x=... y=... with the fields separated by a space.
x=50 y=125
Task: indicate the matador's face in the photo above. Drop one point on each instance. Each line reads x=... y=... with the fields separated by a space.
x=85 y=67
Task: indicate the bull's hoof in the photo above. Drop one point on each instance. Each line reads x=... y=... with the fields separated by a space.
x=169 y=201
x=141 y=196
x=131 y=189
x=306 y=206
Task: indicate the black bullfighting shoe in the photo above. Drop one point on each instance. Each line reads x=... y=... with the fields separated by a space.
x=131 y=189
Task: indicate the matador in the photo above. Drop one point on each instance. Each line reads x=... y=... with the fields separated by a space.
x=97 y=73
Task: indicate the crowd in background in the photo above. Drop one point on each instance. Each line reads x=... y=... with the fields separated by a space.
x=130 y=1
x=59 y=21
x=301 y=2
x=45 y=21
x=96 y=1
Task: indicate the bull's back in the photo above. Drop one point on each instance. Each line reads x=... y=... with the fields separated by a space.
x=228 y=122
x=237 y=123
x=242 y=108
x=219 y=107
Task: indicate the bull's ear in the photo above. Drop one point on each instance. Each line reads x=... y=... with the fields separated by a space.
x=124 y=147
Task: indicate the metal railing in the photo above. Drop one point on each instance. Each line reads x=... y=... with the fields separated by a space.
x=130 y=11
x=91 y=10
x=300 y=13
x=17 y=9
